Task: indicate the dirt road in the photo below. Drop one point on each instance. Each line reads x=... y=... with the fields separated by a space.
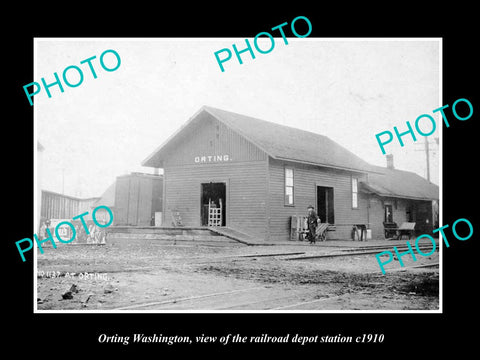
x=153 y=276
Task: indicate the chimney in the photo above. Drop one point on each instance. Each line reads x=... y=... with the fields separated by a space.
x=390 y=161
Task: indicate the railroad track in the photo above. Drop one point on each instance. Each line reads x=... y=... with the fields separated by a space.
x=234 y=300
x=258 y=298
x=288 y=256
x=364 y=250
x=361 y=251
x=367 y=250
x=385 y=247
x=211 y=300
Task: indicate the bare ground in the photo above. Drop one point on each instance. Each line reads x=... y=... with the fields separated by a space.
x=153 y=275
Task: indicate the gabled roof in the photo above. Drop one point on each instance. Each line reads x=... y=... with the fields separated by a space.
x=278 y=141
x=399 y=183
x=287 y=143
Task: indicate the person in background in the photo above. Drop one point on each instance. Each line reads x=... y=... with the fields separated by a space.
x=91 y=236
x=101 y=234
x=43 y=231
x=312 y=222
x=47 y=226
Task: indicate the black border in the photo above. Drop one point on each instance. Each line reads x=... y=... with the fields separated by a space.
x=78 y=333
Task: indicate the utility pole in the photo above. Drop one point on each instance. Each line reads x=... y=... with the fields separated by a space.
x=434 y=203
x=427 y=154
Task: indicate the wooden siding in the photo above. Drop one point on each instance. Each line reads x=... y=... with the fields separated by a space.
x=133 y=201
x=137 y=199
x=377 y=216
x=211 y=137
x=157 y=194
x=424 y=217
x=121 y=200
x=244 y=174
x=58 y=206
x=419 y=210
x=245 y=193
x=145 y=199
x=255 y=186
x=306 y=179
x=377 y=213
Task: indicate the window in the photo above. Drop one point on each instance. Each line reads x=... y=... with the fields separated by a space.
x=288 y=186
x=354 y=193
x=388 y=213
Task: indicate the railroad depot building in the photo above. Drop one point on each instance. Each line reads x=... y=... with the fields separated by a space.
x=258 y=175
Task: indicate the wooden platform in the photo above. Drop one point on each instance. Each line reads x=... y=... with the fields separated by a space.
x=237 y=235
x=200 y=235
x=210 y=235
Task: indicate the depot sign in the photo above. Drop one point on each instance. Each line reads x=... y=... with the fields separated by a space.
x=211 y=159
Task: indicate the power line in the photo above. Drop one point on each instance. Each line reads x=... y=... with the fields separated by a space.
x=427 y=153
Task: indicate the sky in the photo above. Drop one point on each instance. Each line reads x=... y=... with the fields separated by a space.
x=347 y=89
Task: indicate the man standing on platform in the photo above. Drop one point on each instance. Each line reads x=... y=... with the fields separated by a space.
x=312 y=222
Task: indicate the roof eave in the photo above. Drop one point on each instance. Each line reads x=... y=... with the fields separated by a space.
x=321 y=165
x=400 y=196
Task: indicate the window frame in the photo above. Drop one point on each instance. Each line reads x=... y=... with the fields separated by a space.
x=354 y=192
x=390 y=206
x=285 y=186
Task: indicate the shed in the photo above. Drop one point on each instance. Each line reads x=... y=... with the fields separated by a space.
x=138 y=199
x=59 y=206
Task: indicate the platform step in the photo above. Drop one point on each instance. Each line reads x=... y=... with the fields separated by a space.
x=190 y=237
x=203 y=234
x=237 y=235
x=136 y=240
